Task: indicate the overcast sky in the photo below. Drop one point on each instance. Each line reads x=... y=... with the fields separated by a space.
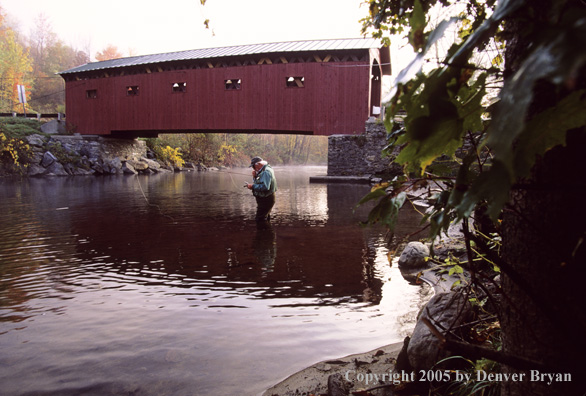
x=148 y=26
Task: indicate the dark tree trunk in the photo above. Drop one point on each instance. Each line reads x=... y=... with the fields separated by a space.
x=541 y=240
x=543 y=232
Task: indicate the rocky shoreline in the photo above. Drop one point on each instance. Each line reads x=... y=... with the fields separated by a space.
x=74 y=155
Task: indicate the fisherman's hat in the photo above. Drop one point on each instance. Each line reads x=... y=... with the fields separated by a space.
x=254 y=161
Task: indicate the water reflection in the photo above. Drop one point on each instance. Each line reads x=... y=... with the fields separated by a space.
x=170 y=281
x=265 y=246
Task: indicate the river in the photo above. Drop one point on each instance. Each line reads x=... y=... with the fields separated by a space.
x=165 y=284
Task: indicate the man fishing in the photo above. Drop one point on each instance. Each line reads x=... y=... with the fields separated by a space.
x=263 y=188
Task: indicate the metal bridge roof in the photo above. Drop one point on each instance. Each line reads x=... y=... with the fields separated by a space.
x=250 y=49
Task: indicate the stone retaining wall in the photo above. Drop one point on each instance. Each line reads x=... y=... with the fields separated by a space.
x=106 y=148
x=61 y=155
x=359 y=155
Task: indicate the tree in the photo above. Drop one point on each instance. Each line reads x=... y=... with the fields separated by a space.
x=110 y=52
x=521 y=164
x=50 y=56
x=15 y=64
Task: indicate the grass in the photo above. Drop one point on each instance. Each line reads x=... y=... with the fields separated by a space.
x=19 y=128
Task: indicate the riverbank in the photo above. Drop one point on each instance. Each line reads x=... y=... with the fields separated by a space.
x=75 y=155
x=363 y=371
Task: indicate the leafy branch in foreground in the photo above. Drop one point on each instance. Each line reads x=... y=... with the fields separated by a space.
x=450 y=102
x=516 y=159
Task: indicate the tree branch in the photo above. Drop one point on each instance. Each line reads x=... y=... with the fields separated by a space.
x=476 y=352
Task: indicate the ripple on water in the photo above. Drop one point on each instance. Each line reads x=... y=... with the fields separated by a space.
x=95 y=280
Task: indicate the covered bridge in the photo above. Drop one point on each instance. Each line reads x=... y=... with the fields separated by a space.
x=319 y=87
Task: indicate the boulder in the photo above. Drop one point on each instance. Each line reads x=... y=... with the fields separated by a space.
x=337 y=385
x=445 y=311
x=113 y=166
x=56 y=169
x=97 y=166
x=36 y=140
x=82 y=171
x=154 y=165
x=128 y=169
x=53 y=127
x=36 y=157
x=414 y=256
x=138 y=165
x=48 y=159
x=70 y=169
x=36 y=170
x=413 y=260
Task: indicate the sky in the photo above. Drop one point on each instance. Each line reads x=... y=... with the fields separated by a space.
x=142 y=27
x=149 y=26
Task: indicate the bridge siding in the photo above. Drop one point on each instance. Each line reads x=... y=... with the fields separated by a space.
x=335 y=100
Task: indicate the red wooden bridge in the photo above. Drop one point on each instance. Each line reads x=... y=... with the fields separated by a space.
x=319 y=87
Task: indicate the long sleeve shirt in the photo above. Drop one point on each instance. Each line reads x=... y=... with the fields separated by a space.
x=265 y=182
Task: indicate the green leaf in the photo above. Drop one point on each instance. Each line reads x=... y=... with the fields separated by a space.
x=430 y=139
x=504 y=8
x=548 y=129
x=470 y=96
x=387 y=210
x=414 y=67
x=392 y=210
x=556 y=59
x=456 y=269
x=492 y=186
x=373 y=194
x=462 y=181
x=417 y=23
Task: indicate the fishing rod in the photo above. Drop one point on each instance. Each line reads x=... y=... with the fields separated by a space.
x=236 y=173
x=151 y=204
x=232 y=179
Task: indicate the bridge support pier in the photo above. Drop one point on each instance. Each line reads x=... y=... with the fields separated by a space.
x=357 y=158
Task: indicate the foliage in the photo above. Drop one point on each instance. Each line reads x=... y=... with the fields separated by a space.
x=14 y=153
x=15 y=64
x=63 y=155
x=110 y=52
x=495 y=124
x=18 y=128
x=170 y=155
x=448 y=104
x=470 y=384
x=236 y=149
x=226 y=154
x=35 y=66
x=50 y=56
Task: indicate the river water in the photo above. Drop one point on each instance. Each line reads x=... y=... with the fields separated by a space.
x=165 y=284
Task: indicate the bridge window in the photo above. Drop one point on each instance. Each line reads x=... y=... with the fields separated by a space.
x=233 y=84
x=132 y=90
x=295 y=82
x=91 y=93
x=180 y=87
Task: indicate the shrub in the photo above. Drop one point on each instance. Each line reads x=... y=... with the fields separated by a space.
x=14 y=154
x=165 y=154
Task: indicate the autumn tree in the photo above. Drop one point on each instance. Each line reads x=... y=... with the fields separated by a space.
x=15 y=64
x=50 y=56
x=109 y=52
x=520 y=162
